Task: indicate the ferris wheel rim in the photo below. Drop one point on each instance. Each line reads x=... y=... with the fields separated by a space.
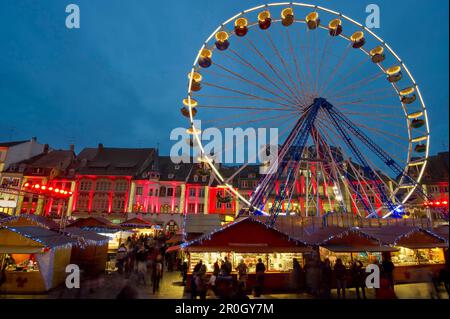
x=424 y=158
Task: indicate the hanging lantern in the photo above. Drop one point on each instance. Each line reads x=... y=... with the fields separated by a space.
x=312 y=20
x=287 y=17
x=222 y=42
x=241 y=27
x=394 y=74
x=205 y=58
x=407 y=95
x=264 y=20
x=196 y=79
x=357 y=39
x=335 y=27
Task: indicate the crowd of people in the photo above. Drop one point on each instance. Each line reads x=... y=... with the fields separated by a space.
x=143 y=256
x=316 y=278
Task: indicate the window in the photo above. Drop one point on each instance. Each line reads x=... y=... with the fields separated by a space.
x=229 y=205
x=170 y=176
x=204 y=178
x=251 y=175
x=192 y=192
x=150 y=192
x=191 y=208
x=82 y=203
x=170 y=191
x=100 y=202
x=201 y=192
x=244 y=184
x=195 y=178
x=118 y=203
x=218 y=204
x=201 y=208
x=162 y=191
x=177 y=167
x=156 y=192
x=255 y=184
x=139 y=190
x=85 y=185
x=178 y=191
x=121 y=186
x=103 y=185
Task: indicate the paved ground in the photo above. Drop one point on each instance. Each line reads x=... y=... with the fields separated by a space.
x=110 y=286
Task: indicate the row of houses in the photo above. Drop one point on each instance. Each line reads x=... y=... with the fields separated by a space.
x=107 y=180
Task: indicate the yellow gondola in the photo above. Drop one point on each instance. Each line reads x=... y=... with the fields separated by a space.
x=264 y=20
x=312 y=20
x=358 y=39
x=335 y=27
x=196 y=79
x=287 y=17
x=394 y=74
x=377 y=54
x=407 y=95
x=222 y=42
x=205 y=59
x=241 y=27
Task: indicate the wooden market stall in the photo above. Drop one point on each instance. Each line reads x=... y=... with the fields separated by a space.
x=419 y=251
x=35 y=259
x=29 y=220
x=139 y=227
x=249 y=239
x=91 y=251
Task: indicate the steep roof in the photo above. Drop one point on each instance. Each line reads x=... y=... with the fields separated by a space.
x=46 y=237
x=114 y=161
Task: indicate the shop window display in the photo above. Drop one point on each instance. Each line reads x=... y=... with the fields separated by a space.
x=409 y=257
x=347 y=258
x=19 y=262
x=283 y=261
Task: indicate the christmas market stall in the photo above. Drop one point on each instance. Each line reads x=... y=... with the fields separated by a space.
x=29 y=220
x=34 y=259
x=138 y=227
x=91 y=251
x=419 y=251
x=346 y=243
x=248 y=239
x=101 y=226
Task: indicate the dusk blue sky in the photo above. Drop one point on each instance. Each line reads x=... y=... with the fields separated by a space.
x=119 y=79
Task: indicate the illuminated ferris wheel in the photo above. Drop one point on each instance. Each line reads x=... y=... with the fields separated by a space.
x=353 y=131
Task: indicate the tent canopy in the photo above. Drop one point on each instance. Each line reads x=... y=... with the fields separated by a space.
x=246 y=235
x=31 y=239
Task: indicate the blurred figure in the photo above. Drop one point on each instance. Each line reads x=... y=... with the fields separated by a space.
x=260 y=270
x=358 y=278
x=340 y=273
x=388 y=269
x=242 y=270
x=121 y=257
x=326 y=278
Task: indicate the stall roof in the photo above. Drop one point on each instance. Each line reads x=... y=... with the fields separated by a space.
x=246 y=235
x=404 y=236
x=136 y=223
x=93 y=222
x=87 y=235
x=441 y=231
x=41 y=236
x=29 y=220
x=175 y=239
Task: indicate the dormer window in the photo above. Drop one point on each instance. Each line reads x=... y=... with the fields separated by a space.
x=195 y=178
x=177 y=167
x=170 y=176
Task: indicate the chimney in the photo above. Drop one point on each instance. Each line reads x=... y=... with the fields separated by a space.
x=72 y=147
x=46 y=148
x=34 y=139
x=100 y=146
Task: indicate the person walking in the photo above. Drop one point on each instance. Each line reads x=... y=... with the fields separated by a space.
x=141 y=259
x=357 y=273
x=216 y=268
x=121 y=257
x=226 y=267
x=340 y=273
x=260 y=270
x=388 y=269
x=200 y=282
x=242 y=270
x=195 y=273
x=296 y=274
x=326 y=278
x=157 y=273
x=184 y=271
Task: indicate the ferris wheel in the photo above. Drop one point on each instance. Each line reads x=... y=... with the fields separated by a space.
x=352 y=126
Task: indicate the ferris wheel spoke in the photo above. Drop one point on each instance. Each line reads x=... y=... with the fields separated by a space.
x=294 y=85
x=275 y=71
x=257 y=120
x=297 y=68
x=377 y=116
x=241 y=60
x=326 y=83
x=256 y=84
x=321 y=65
x=245 y=107
x=356 y=86
x=352 y=71
x=246 y=94
x=365 y=105
x=365 y=99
